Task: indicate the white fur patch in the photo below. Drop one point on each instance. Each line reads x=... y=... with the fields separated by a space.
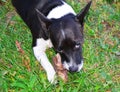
x=43 y=44
x=63 y=33
x=60 y=11
x=66 y=66
x=39 y=52
x=80 y=66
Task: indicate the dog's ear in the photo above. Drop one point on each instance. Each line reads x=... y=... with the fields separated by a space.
x=83 y=12
x=45 y=22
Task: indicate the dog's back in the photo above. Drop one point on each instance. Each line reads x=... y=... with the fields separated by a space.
x=26 y=9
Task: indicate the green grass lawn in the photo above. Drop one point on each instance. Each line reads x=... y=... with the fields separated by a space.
x=101 y=51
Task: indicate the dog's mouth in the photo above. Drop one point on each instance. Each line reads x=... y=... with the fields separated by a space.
x=72 y=64
x=72 y=67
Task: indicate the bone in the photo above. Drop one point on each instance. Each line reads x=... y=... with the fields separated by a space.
x=61 y=72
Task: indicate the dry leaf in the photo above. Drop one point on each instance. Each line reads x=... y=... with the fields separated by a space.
x=19 y=47
x=9 y=16
x=25 y=58
x=26 y=62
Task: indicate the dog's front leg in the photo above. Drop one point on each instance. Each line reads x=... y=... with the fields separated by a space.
x=39 y=52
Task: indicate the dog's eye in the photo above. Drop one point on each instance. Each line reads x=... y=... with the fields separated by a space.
x=60 y=50
x=77 y=45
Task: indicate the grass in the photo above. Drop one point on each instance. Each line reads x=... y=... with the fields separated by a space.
x=101 y=72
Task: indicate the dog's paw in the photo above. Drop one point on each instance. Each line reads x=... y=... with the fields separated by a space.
x=52 y=77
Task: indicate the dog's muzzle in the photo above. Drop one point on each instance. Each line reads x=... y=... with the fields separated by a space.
x=73 y=67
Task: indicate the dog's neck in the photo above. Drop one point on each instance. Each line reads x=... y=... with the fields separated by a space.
x=60 y=11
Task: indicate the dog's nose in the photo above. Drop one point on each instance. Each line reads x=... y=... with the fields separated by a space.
x=73 y=69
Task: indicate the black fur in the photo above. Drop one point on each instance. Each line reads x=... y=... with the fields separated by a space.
x=26 y=9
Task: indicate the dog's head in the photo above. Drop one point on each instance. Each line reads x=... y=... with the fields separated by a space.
x=66 y=35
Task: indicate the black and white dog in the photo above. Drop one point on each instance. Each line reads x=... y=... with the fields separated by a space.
x=53 y=23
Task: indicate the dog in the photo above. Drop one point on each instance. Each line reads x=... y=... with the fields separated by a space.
x=53 y=23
